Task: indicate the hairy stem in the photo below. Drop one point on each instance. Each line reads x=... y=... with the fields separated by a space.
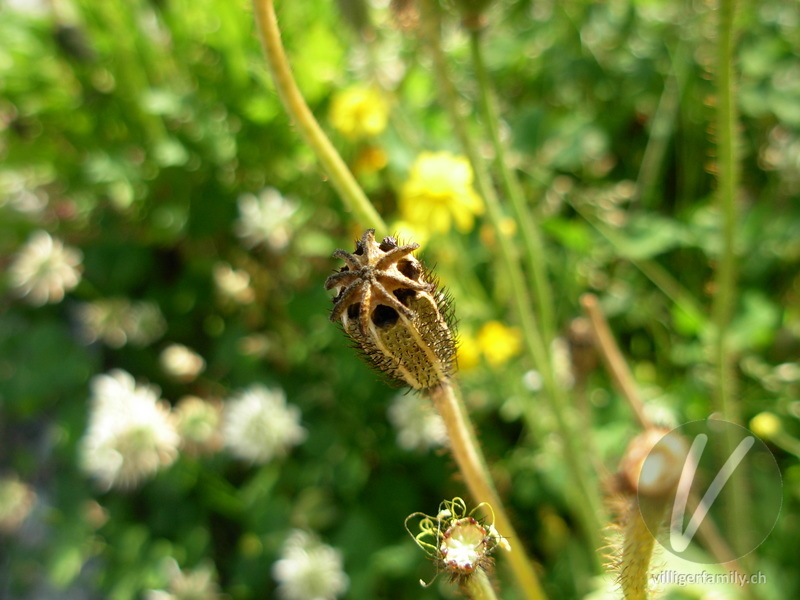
x=725 y=272
x=478 y=586
x=294 y=103
x=727 y=180
x=637 y=547
x=472 y=465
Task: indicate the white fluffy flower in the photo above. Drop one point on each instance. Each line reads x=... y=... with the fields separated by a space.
x=130 y=434
x=418 y=426
x=308 y=569
x=45 y=269
x=264 y=219
x=258 y=424
x=182 y=363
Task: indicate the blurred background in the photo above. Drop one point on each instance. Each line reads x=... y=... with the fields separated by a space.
x=179 y=418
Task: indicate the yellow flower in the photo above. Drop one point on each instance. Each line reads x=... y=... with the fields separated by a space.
x=765 y=425
x=498 y=342
x=438 y=191
x=469 y=352
x=359 y=112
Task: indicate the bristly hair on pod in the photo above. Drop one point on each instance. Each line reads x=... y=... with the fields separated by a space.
x=392 y=307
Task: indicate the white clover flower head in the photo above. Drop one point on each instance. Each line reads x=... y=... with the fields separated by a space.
x=265 y=219
x=181 y=362
x=199 y=583
x=258 y=424
x=119 y=321
x=130 y=434
x=197 y=422
x=45 y=269
x=233 y=283
x=417 y=425
x=309 y=569
x=457 y=540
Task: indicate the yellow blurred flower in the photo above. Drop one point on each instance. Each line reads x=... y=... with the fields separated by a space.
x=359 y=112
x=765 y=425
x=469 y=352
x=438 y=191
x=498 y=342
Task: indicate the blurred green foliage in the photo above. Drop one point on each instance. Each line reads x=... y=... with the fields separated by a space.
x=130 y=128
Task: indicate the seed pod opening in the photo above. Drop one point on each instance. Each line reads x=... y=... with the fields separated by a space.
x=392 y=308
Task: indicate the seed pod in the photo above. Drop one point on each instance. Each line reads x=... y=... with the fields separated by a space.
x=391 y=307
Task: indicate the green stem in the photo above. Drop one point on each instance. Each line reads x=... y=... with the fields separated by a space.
x=725 y=273
x=294 y=103
x=534 y=250
x=472 y=465
x=588 y=505
x=727 y=180
x=478 y=586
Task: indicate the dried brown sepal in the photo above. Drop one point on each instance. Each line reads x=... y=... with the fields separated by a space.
x=391 y=306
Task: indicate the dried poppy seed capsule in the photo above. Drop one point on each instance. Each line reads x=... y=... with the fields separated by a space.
x=388 y=303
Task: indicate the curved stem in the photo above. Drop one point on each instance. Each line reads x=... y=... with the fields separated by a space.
x=294 y=103
x=472 y=465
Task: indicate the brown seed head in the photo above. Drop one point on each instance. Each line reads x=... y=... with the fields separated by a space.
x=389 y=304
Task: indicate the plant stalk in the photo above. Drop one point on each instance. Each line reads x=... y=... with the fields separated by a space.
x=727 y=181
x=725 y=275
x=342 y=179
x=613 y=359
x=478 y=586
